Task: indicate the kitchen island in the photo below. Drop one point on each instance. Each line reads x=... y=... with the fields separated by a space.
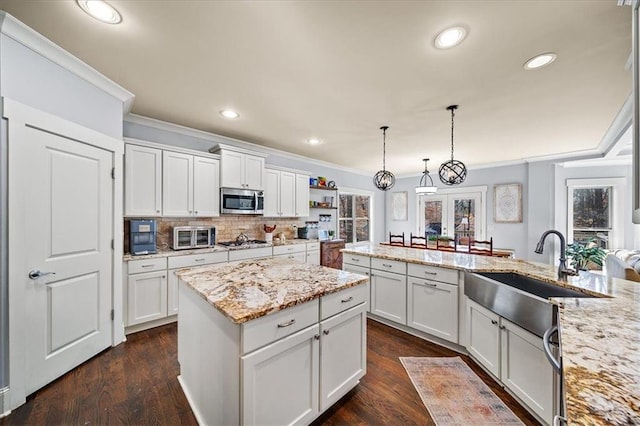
x=600 y=336
x=269 y=341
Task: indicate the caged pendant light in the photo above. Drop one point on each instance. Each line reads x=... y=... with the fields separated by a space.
x=384 y=179
x=452 y=172
x=426 y=185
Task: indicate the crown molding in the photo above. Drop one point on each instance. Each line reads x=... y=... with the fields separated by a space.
x=219 y=139
x=41 y=45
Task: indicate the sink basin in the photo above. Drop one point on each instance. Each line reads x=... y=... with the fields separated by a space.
x=533 y=286
x=522 y=300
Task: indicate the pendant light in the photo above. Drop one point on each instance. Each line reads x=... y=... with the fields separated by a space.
x=452 y=172
x=426 y=185
x=384 y=179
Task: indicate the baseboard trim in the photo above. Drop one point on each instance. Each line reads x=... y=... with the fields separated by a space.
x=151 y=324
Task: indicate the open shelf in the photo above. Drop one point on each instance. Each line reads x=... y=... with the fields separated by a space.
x=323 y=208
x=326 y=188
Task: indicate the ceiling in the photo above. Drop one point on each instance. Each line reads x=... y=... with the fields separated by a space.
x=340 y=70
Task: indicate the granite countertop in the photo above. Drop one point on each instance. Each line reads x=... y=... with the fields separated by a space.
x=600 y=335
x=250 y=289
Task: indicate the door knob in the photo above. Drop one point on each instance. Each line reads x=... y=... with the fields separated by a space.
x=34 y=274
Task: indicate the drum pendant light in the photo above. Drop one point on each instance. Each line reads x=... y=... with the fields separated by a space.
x=426 y=185
x=384 y=179
x=452 y=172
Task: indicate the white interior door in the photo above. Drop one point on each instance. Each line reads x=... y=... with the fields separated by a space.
x=67 y=207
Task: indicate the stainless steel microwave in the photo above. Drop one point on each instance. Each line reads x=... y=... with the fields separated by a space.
x=190 y=237
x=241 y=201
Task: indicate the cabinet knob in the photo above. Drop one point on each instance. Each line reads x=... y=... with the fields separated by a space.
x=502 y=327
x=317 y=337
x=196 y=212
x=325 y=332
x=494 y=322
x=157 y=211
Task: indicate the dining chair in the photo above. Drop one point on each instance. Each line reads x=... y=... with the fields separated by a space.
x=445 y=243
x=481 y=247
x=417 y=241
x=396 y=240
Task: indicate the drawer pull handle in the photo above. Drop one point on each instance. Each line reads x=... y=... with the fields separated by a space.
x=317 y=337
x=147 y=266
x=494 y=322
x=287 y=324
x=430 y=273
x=502 y=327
x=386 y=265
x=432 y=285
x=355 y=260
x=347 y=300
x=200 y=260
x=325 y=331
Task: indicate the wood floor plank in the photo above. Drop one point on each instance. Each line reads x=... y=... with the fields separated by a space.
x=136 y=383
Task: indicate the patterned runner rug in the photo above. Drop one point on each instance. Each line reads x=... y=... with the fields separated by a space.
x=454 y=394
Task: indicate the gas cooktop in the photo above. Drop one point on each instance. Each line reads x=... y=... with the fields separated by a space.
x=245 y=244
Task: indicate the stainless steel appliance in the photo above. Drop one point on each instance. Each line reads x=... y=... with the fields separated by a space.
x=191 y=237
x=303 y=233
x=241 y=201
x=247 y=243
x=142 y=237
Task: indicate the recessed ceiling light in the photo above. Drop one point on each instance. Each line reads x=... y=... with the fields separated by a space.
x=100 y=10
x=540 y=61
x=314 y=141
x=450 y=37
x=227 y=113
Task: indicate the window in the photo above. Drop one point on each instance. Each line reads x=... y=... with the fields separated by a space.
x=355 y=216
x=457 y=213
x=592 y=211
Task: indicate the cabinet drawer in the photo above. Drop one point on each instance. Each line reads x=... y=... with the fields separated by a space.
x=147 y=265
x=250 y=253
x=389 y=265
x=187 y=261
x=335 y=303
x=293 y=248
x=433 y=273
x=313 y=246
x=270 y=328
x=356 y=259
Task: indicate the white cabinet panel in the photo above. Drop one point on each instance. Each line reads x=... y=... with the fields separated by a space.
x=253 y=253
x=172 y=293
x=300 y=257
x=280 y=382
x=254 y=172
x=483 y=336
x=343 y=354
x=302 y=196
x=433 y=273
x=362 y=271
x=389 y=265
x=357 y=260
x=433 y=308
x=334 y=303
x=313 y=257
x=389 y=296
x=232 y=166
x=177 y=184
x=143 y=181
x=147 y=297
x=287 y=194
x=288 y=249
x=147 y=265
x=272 y=193
x=206 y=187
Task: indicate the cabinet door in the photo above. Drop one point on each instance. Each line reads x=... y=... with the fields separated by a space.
x=362 y=270
x=300 y=257
x=172 y=293
x=313 y=257
x=232 y=169
x=147 y=297
x=330 y=254
x=142 y=181
x=272 y=193
x=287 y=194
x=280 y=382
x=432 y=307
x=343 y=354
x=483 y=336
x=177 y=184
x=389 y=296
x=302 y=196
x=525 y=369
x=206 y=187
x=254 y=172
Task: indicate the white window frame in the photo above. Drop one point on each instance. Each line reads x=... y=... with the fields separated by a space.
x=357 y=191
x=451 y=194
x=617 y=185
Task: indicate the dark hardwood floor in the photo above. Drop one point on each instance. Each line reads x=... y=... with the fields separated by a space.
x=135 y=383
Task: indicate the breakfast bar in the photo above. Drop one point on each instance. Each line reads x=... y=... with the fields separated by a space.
x=269 y=341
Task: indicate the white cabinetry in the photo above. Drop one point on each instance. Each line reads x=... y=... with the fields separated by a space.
x=432 y=304
x=313 y=253
x=358 y=265
x=190 y=185
x=389 y=290
x=294 y=252
x=285 y=195
x=514 y=356
x=142 y=181
x=240 y=169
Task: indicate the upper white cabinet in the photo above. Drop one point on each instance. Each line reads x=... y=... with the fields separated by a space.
x=286 y=193
x=190 y=185
x=240 y=168
x=142 y=181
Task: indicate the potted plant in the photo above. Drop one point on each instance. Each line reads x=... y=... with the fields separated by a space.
x=582 y=255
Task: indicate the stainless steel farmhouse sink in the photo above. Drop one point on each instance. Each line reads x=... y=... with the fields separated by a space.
x=522 y=300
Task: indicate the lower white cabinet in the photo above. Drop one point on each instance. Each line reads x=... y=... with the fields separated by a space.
x=300 y=257
x=432 y=307
x=313 y=257
x=389 y=295
x=146 y=297
x=280 y=382
x=514 y=356
x=362 y=271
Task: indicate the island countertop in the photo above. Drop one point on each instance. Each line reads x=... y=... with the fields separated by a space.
x=250 y=289
x=600 y=335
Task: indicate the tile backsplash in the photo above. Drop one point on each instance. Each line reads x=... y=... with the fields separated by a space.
x=227 y=227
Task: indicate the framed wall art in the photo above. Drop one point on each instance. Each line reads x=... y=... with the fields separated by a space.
x=399 y=201
x=507 y=203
